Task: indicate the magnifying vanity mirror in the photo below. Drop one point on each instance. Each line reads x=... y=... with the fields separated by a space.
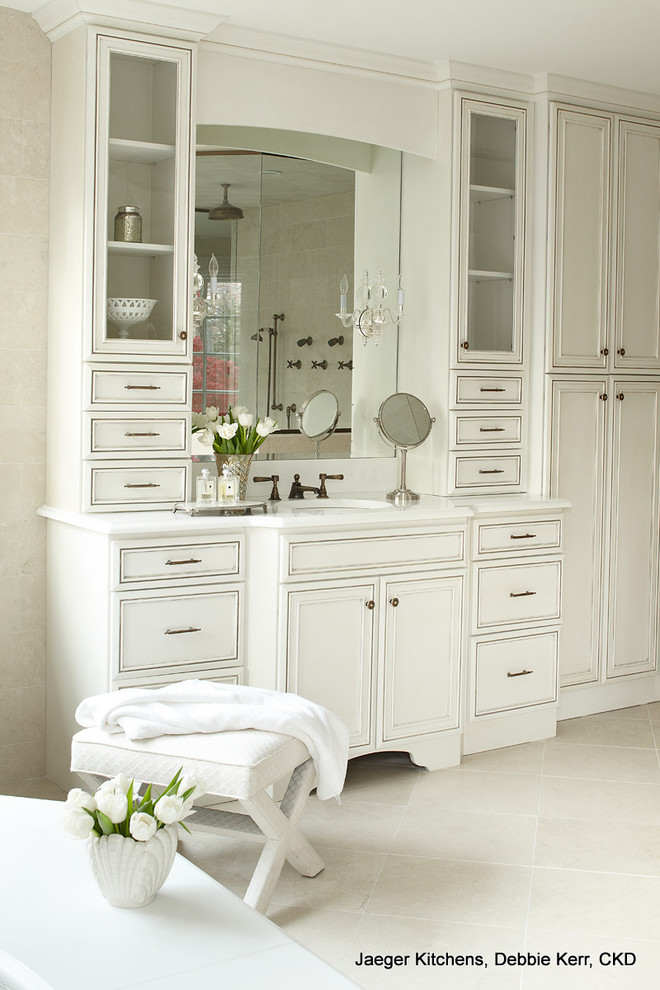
x=404 y=422
x=302 y=210
x=318 y=416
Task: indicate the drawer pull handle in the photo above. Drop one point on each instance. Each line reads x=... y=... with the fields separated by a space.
x=491 y=429
x=148 y=388
x=147 y=484
x=521 y=594
x=491 y=471
x=177 y=632
x=520 y=673
x=141 y=434
x=394 y=602
x=370 y=605
x=492 y=390
x=172 y=563
x=523 y=536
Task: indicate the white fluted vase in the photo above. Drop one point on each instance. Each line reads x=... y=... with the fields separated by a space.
x=129 y=873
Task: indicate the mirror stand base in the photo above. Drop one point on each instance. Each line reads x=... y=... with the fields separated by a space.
x=402 y=496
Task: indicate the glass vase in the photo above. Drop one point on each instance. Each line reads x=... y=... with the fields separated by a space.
x=239 y=467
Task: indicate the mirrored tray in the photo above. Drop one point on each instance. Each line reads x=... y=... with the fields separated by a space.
x=221 y=508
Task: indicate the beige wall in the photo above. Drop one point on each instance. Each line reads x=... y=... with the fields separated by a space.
x=24 y=154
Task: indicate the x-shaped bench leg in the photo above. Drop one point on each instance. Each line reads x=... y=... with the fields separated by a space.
x=283 y=838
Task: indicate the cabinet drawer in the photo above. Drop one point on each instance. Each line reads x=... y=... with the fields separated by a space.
x=519 y=593
x=517 y=537
x=133 y=436
x=488 y=391
x=515 y=672
x=181 y=561
x=372 y=552
x=138 y=388
x=120 y=485
x=485 y=430
x=485 y=471
x=162 y=631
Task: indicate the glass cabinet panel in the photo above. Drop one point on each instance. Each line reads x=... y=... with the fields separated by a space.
x=143 y=180
x=491 y=248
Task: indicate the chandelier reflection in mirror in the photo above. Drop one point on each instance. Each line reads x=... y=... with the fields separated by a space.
x=371 y=314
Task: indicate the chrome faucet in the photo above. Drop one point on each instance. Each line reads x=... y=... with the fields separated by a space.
x=298 y=490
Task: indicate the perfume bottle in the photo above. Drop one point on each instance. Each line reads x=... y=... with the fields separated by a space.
x=205 y=488
x=231 y=485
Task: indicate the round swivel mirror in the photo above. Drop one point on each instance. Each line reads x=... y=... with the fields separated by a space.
x=404 y=422
x=318 y=416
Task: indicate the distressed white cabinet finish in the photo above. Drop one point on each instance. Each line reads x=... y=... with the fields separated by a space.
x=635 y=528
x=516 y=611
x=123 y=137
x=637 y=295
x=579 y=423
x=605 y=225
x=383 y=653
x=580 y=266
x=605 y=461
x=330 y=652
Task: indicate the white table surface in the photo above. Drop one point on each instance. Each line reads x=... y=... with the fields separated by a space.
x=195 y=934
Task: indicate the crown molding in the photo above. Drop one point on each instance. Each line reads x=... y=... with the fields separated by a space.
x=317 y=54
x=59 y=17
x=608 y=97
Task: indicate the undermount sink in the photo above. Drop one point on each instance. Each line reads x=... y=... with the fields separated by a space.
x=331 y=505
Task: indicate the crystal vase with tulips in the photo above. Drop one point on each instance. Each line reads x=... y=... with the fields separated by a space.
x=233 y=438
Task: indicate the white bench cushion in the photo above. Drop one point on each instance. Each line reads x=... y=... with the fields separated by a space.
x=234 y=764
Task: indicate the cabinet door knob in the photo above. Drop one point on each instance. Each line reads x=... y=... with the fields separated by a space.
x=604 y=351
x=394 y=602
x=370 y=605
x=620 y=396
x=603 y=396
x=621 y=351
x=183 y=335
x=466 y=345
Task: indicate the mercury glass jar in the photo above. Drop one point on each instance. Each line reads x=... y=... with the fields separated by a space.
x=128 y=224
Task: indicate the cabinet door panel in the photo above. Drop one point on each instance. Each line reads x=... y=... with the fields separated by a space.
x=422 y=656
x=581 y=219
x=638 y=242
x=329 y=652
x=491 y=233
x=634 y=538
x=579 y=427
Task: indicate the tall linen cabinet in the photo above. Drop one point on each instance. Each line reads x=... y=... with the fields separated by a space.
x=603 y=390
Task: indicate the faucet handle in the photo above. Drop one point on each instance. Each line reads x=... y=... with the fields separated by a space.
x=274 y=493
x=327 y=477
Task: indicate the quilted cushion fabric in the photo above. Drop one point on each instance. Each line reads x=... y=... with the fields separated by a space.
x=232 y=764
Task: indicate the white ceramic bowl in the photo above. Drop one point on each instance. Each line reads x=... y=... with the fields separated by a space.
x=126 y=312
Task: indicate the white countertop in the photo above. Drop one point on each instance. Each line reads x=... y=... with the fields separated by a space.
x=305 y=515
x=196 y=933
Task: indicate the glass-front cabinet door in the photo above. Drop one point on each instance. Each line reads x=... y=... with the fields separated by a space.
x=491 y=232
x=143 y=180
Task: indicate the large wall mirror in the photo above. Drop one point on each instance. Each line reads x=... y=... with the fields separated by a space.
x=280 y=217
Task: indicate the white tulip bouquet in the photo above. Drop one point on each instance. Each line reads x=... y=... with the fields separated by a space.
x=235 y=433
x=117 y=808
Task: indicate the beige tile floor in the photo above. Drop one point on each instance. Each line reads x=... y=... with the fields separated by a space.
x=543 y=848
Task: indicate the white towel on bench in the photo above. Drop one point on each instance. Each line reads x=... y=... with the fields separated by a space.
x=204 y=706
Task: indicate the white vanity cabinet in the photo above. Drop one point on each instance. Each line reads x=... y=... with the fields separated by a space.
x=372 y=628
x=516 y=611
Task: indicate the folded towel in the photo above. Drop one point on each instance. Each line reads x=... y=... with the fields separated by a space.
x=205 y=706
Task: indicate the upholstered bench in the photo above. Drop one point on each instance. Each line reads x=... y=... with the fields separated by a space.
x=239 y=765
